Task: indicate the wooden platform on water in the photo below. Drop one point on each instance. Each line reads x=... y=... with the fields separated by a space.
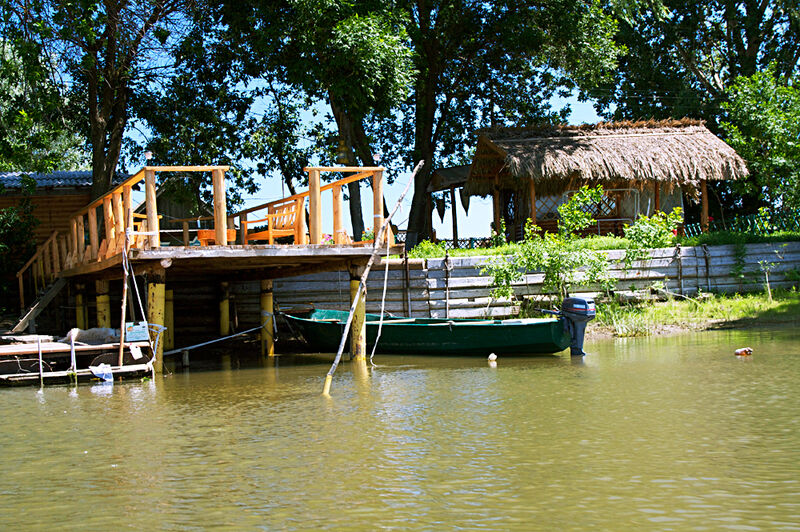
x=242 y=262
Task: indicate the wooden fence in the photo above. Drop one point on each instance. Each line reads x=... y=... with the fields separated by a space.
x=430 y=290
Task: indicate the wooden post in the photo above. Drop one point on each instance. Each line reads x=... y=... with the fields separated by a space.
x=186 y=234
x=56 y=257
x=454 y=208
x=81 y=240
x=314 y=208
x=656 y=197
x=73 y=241
x=358 y=331
x=220 y=208
x=533 y=201
x=704 y=202
x=300 y=223
x=243 y=229
x=338 y=232
x=94 y=240
x=103 y=303
x=46 y=262
x=111 y=232
x=151 y=205
x=62 y=243
x=377 y=203
x=224 y=309
x=496 y=204
x=81 y=312
x=169 y=321
x=119 y=219
x=127 y=207
x=156 y=301
x=267 y=318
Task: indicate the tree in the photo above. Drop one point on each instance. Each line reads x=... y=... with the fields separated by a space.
x=684 y=57
x=350 y=55
x=107 y=48
x=36 y=134
x=480 y=64
x=763 y=125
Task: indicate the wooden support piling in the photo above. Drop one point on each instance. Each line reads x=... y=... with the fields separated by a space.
x=267 y=318
x=533 y=201
x=314 y=208
x=81 y=312
x=103 y=303
x=169 y=320
x=151 y=206
x=301 y=228
x=220 y=208
x=377 y=203
x=224 y=309
x=338 y=231
x=156 y=299
x=656 y=197
x=358 y=332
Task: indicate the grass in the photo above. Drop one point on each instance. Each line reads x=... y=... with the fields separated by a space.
x=738 y=310
x=427 y=250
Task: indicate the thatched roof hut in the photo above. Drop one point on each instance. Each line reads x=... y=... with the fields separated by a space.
x=637 y=154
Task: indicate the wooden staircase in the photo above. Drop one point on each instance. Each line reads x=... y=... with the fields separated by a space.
x=28 y=319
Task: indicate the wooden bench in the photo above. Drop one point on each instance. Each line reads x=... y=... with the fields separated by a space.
x=208 y=237
x=282 y=220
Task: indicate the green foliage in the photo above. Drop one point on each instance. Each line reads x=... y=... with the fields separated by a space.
x=16 y=237
x=427 y=250
x=560 y=257
x=763 y=126
x=648 y=232
x=36 y=135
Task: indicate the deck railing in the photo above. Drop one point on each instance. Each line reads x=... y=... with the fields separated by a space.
x=42 y=268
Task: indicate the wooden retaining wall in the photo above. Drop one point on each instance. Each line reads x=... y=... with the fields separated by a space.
x=684 y=270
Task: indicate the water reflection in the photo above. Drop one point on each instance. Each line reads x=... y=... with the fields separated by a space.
x=665 y=432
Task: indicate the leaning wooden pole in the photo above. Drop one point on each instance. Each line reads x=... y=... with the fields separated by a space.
x=124 y=298
x=376 y=249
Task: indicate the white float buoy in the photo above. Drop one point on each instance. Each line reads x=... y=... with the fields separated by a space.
x=492 y=357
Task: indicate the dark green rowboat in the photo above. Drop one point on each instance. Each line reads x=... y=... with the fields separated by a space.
x=322 y=329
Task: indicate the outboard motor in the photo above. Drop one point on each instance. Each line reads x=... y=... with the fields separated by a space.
x=577 y=312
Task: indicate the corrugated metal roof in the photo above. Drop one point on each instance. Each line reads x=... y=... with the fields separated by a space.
x=71 y=179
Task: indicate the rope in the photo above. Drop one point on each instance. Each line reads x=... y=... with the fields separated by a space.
x=195 y=346
x=383 y=305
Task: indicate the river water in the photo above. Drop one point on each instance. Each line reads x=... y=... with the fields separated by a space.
x=665 y=433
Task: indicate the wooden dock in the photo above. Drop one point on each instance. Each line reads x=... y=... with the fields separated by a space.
x=275 y=240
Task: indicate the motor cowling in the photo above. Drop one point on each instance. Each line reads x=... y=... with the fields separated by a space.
x=577 y=312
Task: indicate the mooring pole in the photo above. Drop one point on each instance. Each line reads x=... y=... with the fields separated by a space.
x=358 y=299
x=155 y=311
x=267 y=319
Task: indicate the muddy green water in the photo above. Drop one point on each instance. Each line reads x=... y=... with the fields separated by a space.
x=661 y=433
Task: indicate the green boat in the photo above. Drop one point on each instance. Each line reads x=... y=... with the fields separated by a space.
x=322 y=330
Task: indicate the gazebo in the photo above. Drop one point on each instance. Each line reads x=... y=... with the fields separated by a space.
x=644 y=167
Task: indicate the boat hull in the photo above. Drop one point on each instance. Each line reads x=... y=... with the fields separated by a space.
x=322 y=330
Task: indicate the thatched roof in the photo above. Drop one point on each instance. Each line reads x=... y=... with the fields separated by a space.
x=559 y=158
x=446 y=178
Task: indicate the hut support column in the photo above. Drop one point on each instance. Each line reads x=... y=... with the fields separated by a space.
x=704 y=204
x=455 y=216
x=533 y=202
x=358 y=330
x=169 y=320
x=103 y=303
x=81 y=311
x=656 y=197
x=156 y=302
x=496 y=203
x=224 y=309
x=267 y=318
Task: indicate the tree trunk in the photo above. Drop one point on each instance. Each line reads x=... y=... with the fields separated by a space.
x=346 y=133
